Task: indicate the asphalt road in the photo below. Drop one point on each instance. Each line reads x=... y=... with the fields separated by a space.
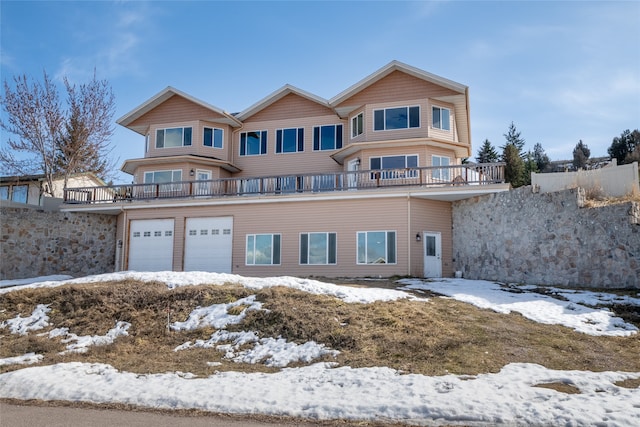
x=12 y=415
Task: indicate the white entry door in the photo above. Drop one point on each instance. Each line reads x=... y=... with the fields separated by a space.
x=151 y=245
x=203 y=188
x=207 y=244
x=432 y=254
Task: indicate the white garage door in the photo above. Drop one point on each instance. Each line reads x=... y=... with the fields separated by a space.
x=151 y=245
x=207 y=244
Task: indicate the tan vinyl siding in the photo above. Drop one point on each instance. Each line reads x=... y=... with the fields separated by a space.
x=395 y=87
x=431 y=215
x=308 y=161
x=291 y=105
x=175 y=109
x=344 y=217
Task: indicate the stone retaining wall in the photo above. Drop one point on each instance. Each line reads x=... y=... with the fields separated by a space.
x=547 y=239
x=35 y=243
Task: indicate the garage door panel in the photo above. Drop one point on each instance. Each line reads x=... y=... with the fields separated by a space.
x=208 y=244
x=151 y=245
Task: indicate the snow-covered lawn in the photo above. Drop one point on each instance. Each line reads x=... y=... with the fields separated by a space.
x=328 y=391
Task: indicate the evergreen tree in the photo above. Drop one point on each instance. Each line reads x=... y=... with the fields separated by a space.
x=540 y=157
x=486 y=153
x=513 y=137
x=624 y=145
x=530 y=166
x=581 y=154
x=514 y=169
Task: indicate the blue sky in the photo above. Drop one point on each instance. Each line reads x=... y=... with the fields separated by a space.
x=561 y=71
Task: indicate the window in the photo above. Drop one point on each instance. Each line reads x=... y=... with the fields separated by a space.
x=19 y=193
x=4 y=192
x=376 y=247
x=357 y=125
x=193 y=232
x=440 y=118
x=318 y=248
x=289 y=140
x=440 y=174
x=136 y=234
x=396 y=164
x=396 y=118
x=253 y=143
x=212 y=137
x=173 y=137
x=147 y=234
x=162 y=177
x=327 y=137
x=157 y=234
x=263 y=249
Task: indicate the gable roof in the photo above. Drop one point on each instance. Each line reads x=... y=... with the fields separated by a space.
x=162 y=97
x=276 y=96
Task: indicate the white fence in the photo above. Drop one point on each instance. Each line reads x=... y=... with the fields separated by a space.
x=613 y=181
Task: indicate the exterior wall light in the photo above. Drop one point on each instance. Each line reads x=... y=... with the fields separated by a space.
x=418 y=237
x=192 y=172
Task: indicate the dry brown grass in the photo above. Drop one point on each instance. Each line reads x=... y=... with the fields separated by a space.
x=432 y=338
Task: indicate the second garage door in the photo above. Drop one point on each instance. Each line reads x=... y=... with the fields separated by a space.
x=207 y=244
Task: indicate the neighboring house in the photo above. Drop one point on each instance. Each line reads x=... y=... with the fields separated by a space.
x=358 y=185
x=32 y=189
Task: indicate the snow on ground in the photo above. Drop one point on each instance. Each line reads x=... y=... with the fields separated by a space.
x=22 y=325
x=25 y=359
x=175 y=279
x=534 y=306
x=325 y=391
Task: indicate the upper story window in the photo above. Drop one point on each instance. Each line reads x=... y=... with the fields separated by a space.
x=163 y=177
x=441 y=118
x=357 y=125
x=396 y=118
x=290 y=140
x=253 y=143
x=173 y=137
x=443 y=174
x=328 y=137
x=212 y=137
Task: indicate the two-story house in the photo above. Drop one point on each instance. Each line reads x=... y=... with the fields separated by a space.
x=357 y=185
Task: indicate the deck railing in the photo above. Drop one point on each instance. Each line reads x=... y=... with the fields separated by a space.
x=457 y=175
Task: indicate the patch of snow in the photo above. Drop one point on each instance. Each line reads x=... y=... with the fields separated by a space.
x=534 y=306
x=82 y=343
x=217 y=315
x=508 y=397
x=19 y=282
x=25 y=359
x=36 y=321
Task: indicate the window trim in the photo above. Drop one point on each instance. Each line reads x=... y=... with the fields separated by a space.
x=386 y=247
x=384 y=118
x=213 y=137
x=437 y=107
x=331 y=258
x=279 y=149
x=163 y=130
x=273 y=252
x=338 y=142
x=263 y=143
x=355 y=126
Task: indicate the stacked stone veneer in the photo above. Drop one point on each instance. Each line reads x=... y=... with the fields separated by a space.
x=548 y=239
x=35 y=243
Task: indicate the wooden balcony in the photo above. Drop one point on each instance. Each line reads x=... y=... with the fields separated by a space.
x=442 y=176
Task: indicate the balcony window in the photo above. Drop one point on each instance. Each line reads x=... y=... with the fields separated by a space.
x=328 y=137
x=163 y=177
x=440 y=174
x=396 y=118
x=212 y=137
x=441 y=118
x=397 y=164
x=173 y=137
x=253 y=143
x=290 y=140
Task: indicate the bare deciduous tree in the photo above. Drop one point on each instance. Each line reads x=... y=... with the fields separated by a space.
x=52 y=140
